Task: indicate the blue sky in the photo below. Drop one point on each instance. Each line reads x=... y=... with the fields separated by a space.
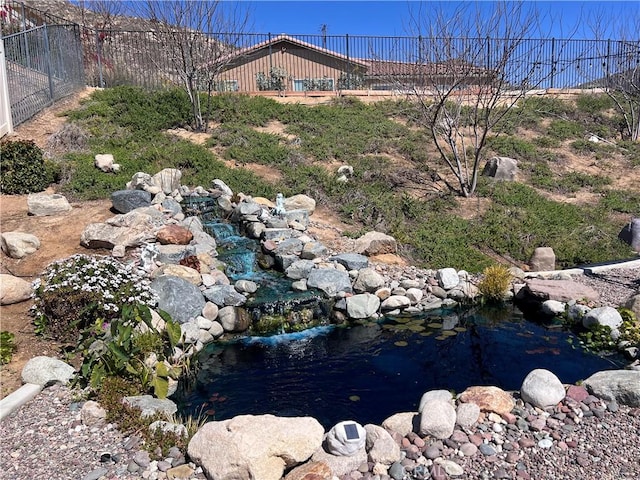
x=392 y=17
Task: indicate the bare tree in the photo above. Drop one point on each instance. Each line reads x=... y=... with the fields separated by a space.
x=468 y=71
x=621 y=61
x=199 y=38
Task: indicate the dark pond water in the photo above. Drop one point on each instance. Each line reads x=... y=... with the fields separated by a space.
x=369 y=372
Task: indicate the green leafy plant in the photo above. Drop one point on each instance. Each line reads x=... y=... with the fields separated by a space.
x=130 y=347
x=75 y=293
x=7 y=346
x=495 y=282
x=23 y=169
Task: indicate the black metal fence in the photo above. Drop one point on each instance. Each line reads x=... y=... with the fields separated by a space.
x=258 y=62
x=43 y=64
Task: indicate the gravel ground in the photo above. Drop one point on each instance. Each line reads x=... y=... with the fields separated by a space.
x=45 y=439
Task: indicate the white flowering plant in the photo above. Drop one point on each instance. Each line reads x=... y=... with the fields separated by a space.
x=83 y=290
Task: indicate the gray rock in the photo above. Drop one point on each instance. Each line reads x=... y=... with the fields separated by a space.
x=346 y=438
x=19 y=244
x=553 y=307
x=415 y=295
x=171 y=206
x=168 y=179
x=395 y=301
x=633 y=304
x=283 y=262
x=14 y=289
x=630 y=234
x=299 y=285
x=259 y=447
x=603 y=316
x=340 y=465
x=190 y=333
x=300 y=202
x=96 y=474
x=402 y=423
x=376 y=243
x=438 y=419
x=290 y=246
x=174 y=253
x=368 y=280
x=233 y=319
x=300 y=269
x=277 y=234
x=363 y=305
x=447 y=278
x=623 y=386
x=576 y=312
x=224 y=295
x=150 y=406
x=351 y=261
x=246 y=286
x=182 y=300
x=543 y=259
x=380 y=445
x=92 y=414
x=539 y=290
x=397 y=471
x=223 y=187
x=467 y=414
x=501 y=168
x=124 y=201
x=542 y=388
x=442 y=395
x=210 y=311
x=255 y=229
x=313 y=250
x=43 y=205
x=141 y=181
x=329 y=280
x=45 y=371
x=216 y=329
x=248 y=208
x=204 y=243
x=299 y=216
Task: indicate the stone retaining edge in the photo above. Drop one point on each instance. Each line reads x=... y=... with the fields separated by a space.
x=15 y=400
x=581 y=271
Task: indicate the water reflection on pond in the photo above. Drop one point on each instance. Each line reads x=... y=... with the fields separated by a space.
x=371 y=371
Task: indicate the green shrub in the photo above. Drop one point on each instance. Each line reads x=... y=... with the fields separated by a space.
x=74 y=293
x=121 y=347
x=592 y=104
x=511 y=146
x=23 y=169
x=7 y=346
x=564 y=129
x=622 y=201
x=495 y=283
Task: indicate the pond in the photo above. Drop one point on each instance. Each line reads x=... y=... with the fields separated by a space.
x=369 y=371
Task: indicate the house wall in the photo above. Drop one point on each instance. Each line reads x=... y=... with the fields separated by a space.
x=299 y=63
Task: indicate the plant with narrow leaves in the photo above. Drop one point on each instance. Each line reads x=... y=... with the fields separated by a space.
x=495 y=283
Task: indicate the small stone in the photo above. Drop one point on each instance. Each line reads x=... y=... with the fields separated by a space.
x=487 y=449
x=468 y=449
x=432 y=452
x=545 y=443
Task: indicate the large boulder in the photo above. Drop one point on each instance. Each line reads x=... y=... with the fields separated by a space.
x=131 y=229
x=368 y=281
x=179 y=298
x=329 y=280
x=173 y=235
x=363 y=305
x=124 y=201
x=489 y=399
x=623 y=386
x=189 y=274
x=150 y=406
x=538 y=290
x=402 y=423
x=380 y=445
x=45 y=371
x=168 y=179
x=19 y=244
x=300 y=202
x=376 y=243
x=254 y=447
x=447 y=278
x=340 y=465
x=43 y=204
x=224 y=295
x=13 y=289
x=630 y=234
x=351 y=261
x=300 y=269
x=541 y=388
x=633 y=304
x=501 y=168
x=602 y=316
x=438 y=419
x=543 y=259
x=233 y=319
x=443 y=395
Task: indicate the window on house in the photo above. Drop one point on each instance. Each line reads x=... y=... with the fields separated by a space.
x=226 y=86
x=324 y=84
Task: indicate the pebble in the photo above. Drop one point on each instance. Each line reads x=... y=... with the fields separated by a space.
x=487 y=449
x=545 y=443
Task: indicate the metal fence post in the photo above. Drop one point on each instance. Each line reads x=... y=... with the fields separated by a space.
x=608 y=63
x=346 y=40
x=47 y=54
x=553 y=61
x=26 y=40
